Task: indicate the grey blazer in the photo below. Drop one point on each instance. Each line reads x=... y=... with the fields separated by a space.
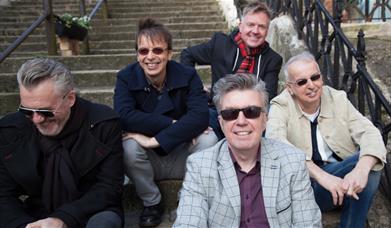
x=210 y=196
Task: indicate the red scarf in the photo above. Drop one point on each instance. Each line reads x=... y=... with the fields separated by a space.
x=248 y=63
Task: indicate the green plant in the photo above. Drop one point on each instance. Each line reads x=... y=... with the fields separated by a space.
x=70 y=20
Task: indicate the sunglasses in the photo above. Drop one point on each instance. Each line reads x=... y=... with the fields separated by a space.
x=304 y=81
x=47 y=113
x=29 y=112
x=156 y=51
x=251 y=112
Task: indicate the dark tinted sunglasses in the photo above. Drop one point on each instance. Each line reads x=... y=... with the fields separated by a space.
x=304 y=81
x=156 y=51
x=29 y=112
x=251 y=112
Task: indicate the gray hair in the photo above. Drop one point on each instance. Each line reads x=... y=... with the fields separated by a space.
x=37 y=70
x=302 y=57
x=239 y=81
x=256 y=7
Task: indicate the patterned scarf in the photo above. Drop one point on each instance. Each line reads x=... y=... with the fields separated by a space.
x=248 y=63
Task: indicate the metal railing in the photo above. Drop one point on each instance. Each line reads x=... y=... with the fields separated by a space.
x=337 y=58
x=49 y=17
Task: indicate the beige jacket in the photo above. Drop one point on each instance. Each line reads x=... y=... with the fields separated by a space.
x=343 y=128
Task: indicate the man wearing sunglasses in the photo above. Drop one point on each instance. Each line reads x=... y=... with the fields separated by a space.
x=246 y=180
x=345 y=151
x=61 y=156
x=245 y=50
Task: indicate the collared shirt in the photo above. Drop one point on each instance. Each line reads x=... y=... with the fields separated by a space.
x=253 y=213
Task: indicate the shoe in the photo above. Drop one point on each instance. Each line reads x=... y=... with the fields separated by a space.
x=151 y=216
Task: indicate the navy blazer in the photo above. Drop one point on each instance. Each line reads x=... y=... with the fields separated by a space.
x=143 y=110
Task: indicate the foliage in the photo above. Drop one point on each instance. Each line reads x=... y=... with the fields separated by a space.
x=70 y=20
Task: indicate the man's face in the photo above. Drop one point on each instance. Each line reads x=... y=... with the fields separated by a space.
x=153 y=62
x=253 y=29
x=243 y=134
x=308 y=94
x=45 y=96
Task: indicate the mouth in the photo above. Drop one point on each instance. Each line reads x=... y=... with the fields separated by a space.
x=242 y=133
x=311 y=94
x=152 y=66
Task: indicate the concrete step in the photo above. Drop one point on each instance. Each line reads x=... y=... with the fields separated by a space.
x=95 y=85
x=90 y=78
x=103 y=28
x=180 y=34
x=98 y=45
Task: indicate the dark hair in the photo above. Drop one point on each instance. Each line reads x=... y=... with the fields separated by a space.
x=153 y=30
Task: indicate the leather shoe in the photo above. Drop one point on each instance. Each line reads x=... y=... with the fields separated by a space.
x=151 y=216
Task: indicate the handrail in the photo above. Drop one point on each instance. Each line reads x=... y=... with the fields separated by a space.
x=47 y=14
x=97 y=7
x=21 y=38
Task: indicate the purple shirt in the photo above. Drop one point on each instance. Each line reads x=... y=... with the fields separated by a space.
x=253 y=212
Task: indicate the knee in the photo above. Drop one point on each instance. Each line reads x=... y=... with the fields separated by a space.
x=206 y=140
x=133 y=151
x=104 y=219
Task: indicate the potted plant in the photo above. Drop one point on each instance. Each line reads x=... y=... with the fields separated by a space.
x=72 y=27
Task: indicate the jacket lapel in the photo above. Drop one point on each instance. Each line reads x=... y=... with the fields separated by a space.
x=270 y=174
x=229 y=180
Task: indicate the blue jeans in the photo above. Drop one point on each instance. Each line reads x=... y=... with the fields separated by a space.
x=354 y=212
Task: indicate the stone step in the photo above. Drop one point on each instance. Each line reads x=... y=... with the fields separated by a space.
x=89 y=78
x=97 y=45
x=125 y=21
x=167 y=17
x=130 y=27
x=74 y=10
x=95 y=85
x=181 y=34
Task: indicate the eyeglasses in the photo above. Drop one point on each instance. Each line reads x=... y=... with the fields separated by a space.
x=156 y=51
x=304 y=81
x=251 y=112
x=47 y=113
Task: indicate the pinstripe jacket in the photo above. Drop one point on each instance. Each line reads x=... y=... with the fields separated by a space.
x=210 y=196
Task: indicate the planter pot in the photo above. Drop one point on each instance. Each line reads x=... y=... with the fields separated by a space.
x=75 y=32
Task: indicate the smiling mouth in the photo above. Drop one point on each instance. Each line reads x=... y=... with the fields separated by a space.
x=242 y=133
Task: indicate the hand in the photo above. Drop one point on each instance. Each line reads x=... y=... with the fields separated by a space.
x=355 y=181
x=47 y=223
x=144 y=141
x=334 y=185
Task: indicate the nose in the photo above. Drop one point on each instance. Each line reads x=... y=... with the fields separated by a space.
x=241 y=118
x=150 y=54
x=310 y=84
x=37 y=118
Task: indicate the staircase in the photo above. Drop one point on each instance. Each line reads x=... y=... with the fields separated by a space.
x=111 y=41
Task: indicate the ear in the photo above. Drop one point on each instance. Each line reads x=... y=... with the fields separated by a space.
x=170 y=54
x=71 y=98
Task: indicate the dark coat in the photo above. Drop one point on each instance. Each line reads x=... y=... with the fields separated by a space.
x=143 y=110
x=222 y=53
x=99 y=168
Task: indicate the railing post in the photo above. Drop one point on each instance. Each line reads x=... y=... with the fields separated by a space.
x=85 y=47
x=360 y=57
x=105 y=10
x=50 y=29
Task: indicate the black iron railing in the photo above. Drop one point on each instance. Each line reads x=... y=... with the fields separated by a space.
x=342 y=64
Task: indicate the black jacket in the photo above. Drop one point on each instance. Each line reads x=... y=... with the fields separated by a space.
x=222 y=53
x=99 y=168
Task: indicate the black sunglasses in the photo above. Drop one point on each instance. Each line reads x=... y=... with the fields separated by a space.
x=304 y=81
x=29 y=112
x=156 y=51
x=251 y=112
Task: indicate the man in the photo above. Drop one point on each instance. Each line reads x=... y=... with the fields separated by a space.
x=61 y=156
x=345 y=152
x=245 y=180
x=163 y=110
x=244 y=50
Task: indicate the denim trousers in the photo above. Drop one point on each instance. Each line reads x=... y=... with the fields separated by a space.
x=354 y=212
